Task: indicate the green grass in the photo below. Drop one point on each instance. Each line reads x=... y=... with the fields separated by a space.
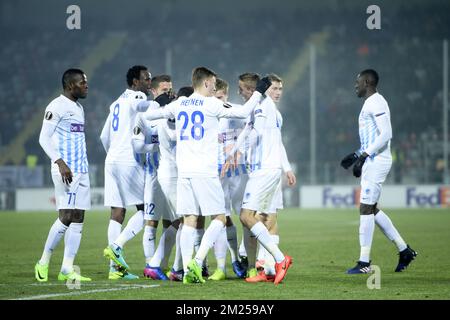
x=323 y=243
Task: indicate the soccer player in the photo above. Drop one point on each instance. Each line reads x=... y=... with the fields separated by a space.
x=270 y=217
x=161 y=84
x=63 y=140
x=198 y=188
x=372 y=162
x=155 y=210
x=233 y=185
x=124 y=174
x=262 y=192
x=246 y=86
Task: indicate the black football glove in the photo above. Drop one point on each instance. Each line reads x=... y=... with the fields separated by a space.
x=357 y=168
x=164 y=98
x=349 y=160
x=263 y=85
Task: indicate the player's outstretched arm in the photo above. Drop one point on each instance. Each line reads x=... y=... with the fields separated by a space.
x=165 y=110
x=245 y=110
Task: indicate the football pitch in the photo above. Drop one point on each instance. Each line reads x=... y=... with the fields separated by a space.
x=323 y=244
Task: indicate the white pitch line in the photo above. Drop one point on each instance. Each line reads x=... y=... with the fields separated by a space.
x=83 y=284
x=77 y=293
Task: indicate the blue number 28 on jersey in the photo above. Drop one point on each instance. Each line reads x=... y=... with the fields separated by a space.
x=197 y=130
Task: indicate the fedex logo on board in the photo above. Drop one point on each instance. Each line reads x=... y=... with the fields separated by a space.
x=439 y=197
x=332 y=197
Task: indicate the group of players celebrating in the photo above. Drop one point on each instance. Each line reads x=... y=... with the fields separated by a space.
x=182 y=157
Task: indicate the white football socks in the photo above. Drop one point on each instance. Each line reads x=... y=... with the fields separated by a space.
x=211 y=235
x=386 y=225
x=263 y=236
x=166 y=243
x=366 y=229
x=148 y=242
x=231 y=236
x=250 y=246
x=72 y=243
x=178 y=261
x=187 y=236
x=57 y=230
x=134 y=226
x=220 y=249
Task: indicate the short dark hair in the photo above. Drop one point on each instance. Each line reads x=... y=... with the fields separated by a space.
x=68 y=76
x=371 y=75
x=134 y=73
x=185 y=92
x=156 y=80
x=201 y=73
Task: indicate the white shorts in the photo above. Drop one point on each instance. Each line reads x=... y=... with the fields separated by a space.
x=169 y=189
x=155 y=204
x=233 y=189
x=76 y=195
x=261 y=190
x=277 y=201
x=124 y=185
x=374 y=173
x=200 y=196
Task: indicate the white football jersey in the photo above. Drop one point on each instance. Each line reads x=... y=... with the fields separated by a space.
x=374 y=117
x=266 y=146
x=68 y=139
x=121 y=121
x=197 y=130
x=147 y=132
x=167 y=148
x=229 y=130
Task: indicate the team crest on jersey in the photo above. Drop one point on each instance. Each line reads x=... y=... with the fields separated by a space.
x=137 y=130
x=48 y=115
x=258 y=111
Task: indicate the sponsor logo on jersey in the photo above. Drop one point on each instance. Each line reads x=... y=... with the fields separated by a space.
x=155 y=138
x=76 y=127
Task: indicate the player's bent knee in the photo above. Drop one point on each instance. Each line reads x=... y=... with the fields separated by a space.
x=366 y=209
x=152 y=223
x=77 y=216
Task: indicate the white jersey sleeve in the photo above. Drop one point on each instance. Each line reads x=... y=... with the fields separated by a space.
x=286 y=166
x=375 y=126
x=140 y=132
x=105 y=135
x=45 y=140
x=237 y=112
x=156 y=112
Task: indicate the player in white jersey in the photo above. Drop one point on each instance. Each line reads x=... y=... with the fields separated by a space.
x=269 y=217
x=198 y=188
x=246 y=86
x=124 y=176
x=156 y=210
x=372 y=163
x=263 y=190
x=232 y=183
x=63 y=140
x=167 y=178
